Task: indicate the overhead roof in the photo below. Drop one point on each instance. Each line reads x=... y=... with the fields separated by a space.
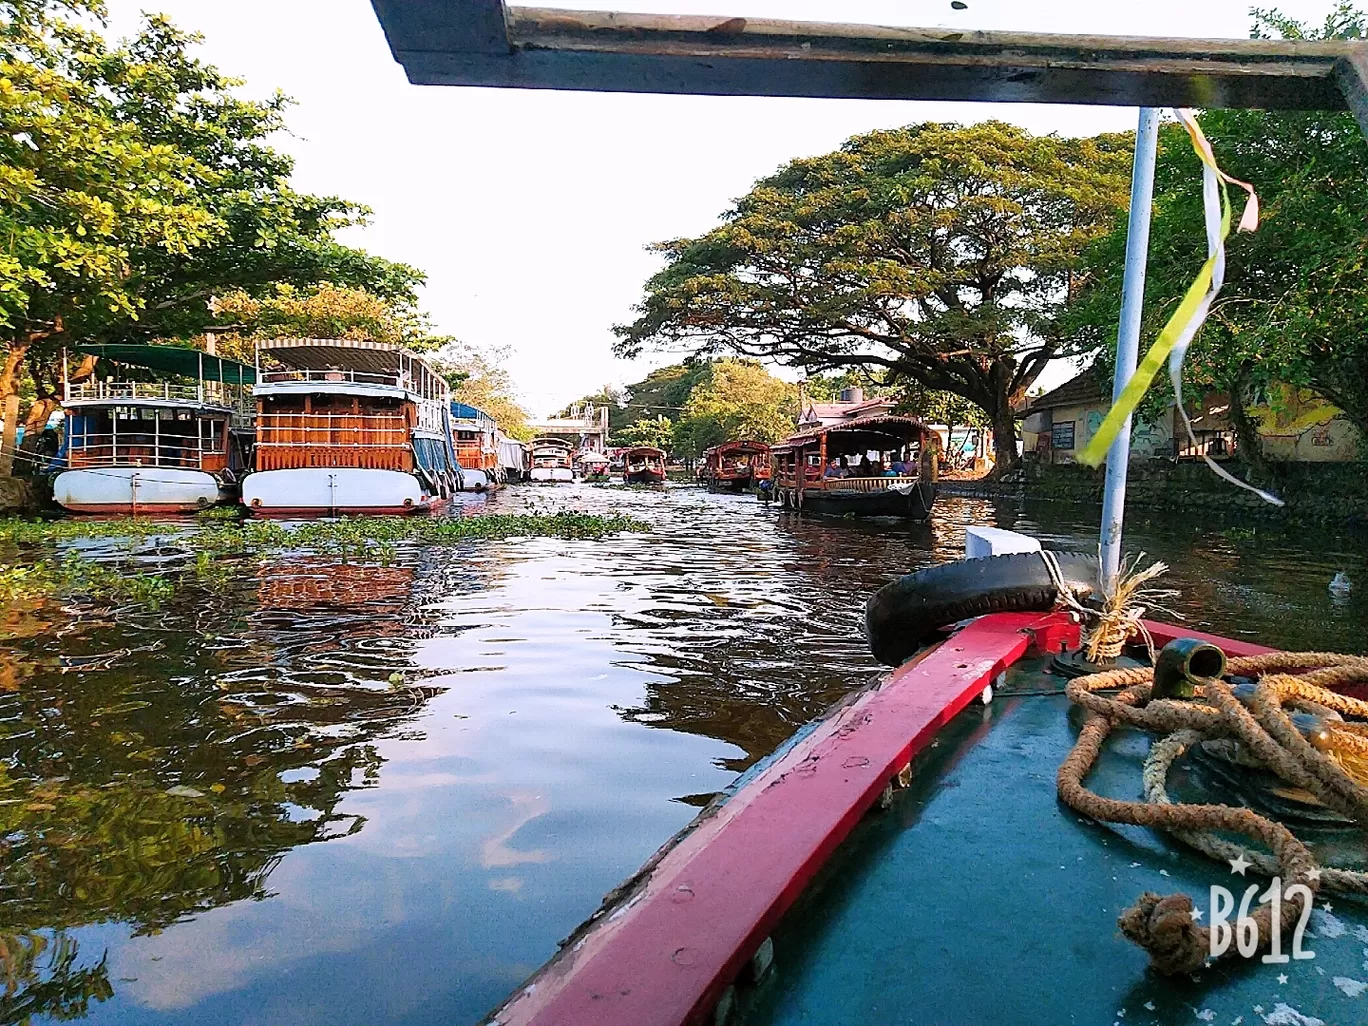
x=864 y=433
x=1079 y=390
x=339 y=353
x=487 y=43
x=174 y=360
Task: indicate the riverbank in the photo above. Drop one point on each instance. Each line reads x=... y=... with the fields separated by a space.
x=1314 y=493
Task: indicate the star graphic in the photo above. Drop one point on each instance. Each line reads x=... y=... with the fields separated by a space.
x=1240 y=864
x=1197 y=915
x=1328 y=907
x=1282 y=979
x=1314 y=874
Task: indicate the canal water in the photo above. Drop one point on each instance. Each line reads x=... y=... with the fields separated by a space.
x=380 y=795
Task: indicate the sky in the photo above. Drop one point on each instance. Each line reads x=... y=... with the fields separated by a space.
x=530 y=211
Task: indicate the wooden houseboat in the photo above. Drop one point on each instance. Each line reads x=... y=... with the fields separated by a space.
x=881 y=466
x=735 y=466
x=156 y=429
x=477 y=448
x=643 y=464
x=551 y=460
x=349 y=427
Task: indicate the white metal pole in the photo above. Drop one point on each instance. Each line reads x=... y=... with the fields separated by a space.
x=1128 y=337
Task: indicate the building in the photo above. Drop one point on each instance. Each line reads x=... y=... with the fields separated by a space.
x=1293 y=426
x=585 y=428
x=850 y=404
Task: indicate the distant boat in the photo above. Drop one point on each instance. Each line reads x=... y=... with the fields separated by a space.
x=551 y=460
x=515 y=458
x=166 y=430
x=591 y=465
x=735 y=466
x=880 y=466
x=643 y=464
x=349 y=427
x=477 y=448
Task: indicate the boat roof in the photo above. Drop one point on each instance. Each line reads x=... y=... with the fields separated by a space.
x=643 y=450
x=871 y=432
x=545 y=440
x=489 y=43
x=738 y=446
x=590 y=456
x=464 y=411
x=329 y=353
x=190 y=363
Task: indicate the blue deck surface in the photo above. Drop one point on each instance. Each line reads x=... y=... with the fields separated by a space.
x=979 y=899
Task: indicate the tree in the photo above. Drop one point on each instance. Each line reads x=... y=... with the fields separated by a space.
x=480 y=379
x=935 y=253
x=738 y=399
x=1293 y=309
x=657 y=432
x=136 y=187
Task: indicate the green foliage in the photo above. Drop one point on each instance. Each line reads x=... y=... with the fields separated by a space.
x=480 y=378
x=1294 y=308
x=655 y=431
x=737 y=399
x=935 y=253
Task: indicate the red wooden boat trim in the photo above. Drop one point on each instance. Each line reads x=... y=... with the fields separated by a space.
x=1163 y=633
x=679 y=933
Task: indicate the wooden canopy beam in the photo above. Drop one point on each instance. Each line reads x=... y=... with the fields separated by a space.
x=484 y=43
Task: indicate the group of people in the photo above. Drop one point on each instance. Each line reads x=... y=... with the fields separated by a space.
x=896 y=467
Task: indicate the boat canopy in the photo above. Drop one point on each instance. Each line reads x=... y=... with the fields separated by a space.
x=489 y=43
x=590 y=456
x=178 y=360
x=740 y=448
x=866 y=433
x=463 y=411
x=328 y=353
x=640 y=451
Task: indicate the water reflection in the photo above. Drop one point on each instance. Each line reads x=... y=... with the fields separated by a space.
x=490 y=736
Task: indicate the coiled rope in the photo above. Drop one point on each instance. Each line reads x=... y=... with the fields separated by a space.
x=1333 y=766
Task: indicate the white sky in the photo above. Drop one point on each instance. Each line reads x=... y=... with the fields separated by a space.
x=530 y=210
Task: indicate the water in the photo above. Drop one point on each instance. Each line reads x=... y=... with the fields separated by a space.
x=364 y=795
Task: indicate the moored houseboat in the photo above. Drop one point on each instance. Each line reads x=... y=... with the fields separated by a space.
x=349 y=427
x=515 y=458
x=591 y=465
x=551 y=460
x=643 y=464
x=882 y=466
x=155 y=429
x=477 y=448
x=735 y=466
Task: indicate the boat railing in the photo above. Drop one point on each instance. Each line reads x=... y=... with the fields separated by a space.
x=204 y=393
x=392 y=380
x=108 y=449
x=286 y=441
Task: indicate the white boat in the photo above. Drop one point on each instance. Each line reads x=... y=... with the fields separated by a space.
x=349 y=427
x=551 y=460
x=166 y=430
x=515 y=458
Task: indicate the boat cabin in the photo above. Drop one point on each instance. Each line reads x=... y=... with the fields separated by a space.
x=349 y=426
x=477 y=448
x=155 y=429
x=735 y=466
x=874 y=466
x=643 y=464
x=591 y=465
x=551 y=459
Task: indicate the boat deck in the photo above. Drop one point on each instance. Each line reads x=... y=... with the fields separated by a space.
x=979 y=898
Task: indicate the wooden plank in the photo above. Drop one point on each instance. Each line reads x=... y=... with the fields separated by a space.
x=617 y=52
x=1163 y=633
x=678 y=934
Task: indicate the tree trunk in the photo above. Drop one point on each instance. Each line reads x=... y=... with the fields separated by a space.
x=1248 y=444
x=1004 y=438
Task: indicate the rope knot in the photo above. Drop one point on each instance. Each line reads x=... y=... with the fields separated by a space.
x=1165 y=929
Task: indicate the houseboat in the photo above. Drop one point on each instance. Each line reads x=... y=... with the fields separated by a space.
x=735 y=466
x=551 y=460
x=643 y=464
x=515 y=458
x=591 y=465
x=349 y=427
x=155 y=429
x=883 y=466
x=477 y=448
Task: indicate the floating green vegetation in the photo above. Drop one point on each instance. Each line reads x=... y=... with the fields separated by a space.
x=207 y=539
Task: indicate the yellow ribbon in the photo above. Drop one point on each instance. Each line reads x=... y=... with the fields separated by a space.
x=1191 y=312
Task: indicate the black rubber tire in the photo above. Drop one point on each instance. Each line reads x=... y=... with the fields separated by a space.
x=907 y=613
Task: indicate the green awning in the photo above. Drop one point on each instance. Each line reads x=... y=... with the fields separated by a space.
x=175 y=360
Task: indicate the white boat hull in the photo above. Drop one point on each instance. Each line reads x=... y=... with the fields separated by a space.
x=552 y=474
x=474 y=480
x=136 y=490
x=328 y=491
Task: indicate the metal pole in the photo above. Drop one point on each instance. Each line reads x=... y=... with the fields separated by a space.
x=1128 y=337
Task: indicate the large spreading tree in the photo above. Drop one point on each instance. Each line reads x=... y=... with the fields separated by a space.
x=936 y=254
x=1294 y=308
